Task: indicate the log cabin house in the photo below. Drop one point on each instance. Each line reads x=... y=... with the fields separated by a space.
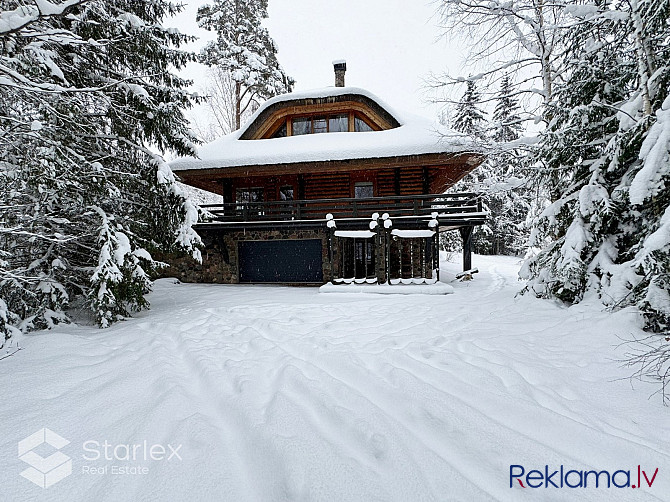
x=333 y=186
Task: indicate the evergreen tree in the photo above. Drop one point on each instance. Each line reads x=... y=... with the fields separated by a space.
x=85 y=89
x=606 y=154
x=573 y=157
x=504 y=186
x=506 y=119
x=498 y=178
x=602 y=162
x=244 y=51
x=469 y=119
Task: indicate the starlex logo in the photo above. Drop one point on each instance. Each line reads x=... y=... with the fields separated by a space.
x=47 y=471
x=560 y=478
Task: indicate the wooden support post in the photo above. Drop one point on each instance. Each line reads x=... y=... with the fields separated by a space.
x=227 y=197
x=424 y=243
x=387 y=271
x=367 y=244
x=466 y=235
x=340 y=247
x=301 y=187
x=330 y=237
x=436 y=255
x=379 y=253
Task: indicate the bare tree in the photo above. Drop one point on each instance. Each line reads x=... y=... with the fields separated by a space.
x=520 y=38
x=221 y=107
x=243 y=50
x=222 y=101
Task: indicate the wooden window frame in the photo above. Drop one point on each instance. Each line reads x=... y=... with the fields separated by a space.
x=285 y=185
x=352 y=116
x=372 y=118
x=363 y=177
x=250 y=189
x=286 y=121
x=314 y=116
x=360 y=116
x=366 y=182
x=276 y=129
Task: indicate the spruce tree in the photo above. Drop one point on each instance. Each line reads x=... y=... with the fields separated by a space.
x=469 y=119
x=606 y=153
x=573 y=160
x=86 y=90
x=243 y=50
x=506 y=119
x=498 y=178
x=504 y=186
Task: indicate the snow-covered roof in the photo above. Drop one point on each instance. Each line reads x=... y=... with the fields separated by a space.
x=415 y=136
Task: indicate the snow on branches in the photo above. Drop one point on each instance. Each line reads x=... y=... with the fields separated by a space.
x=85 y=88
x=605 y=153
x=602 y=158
x=243 y=52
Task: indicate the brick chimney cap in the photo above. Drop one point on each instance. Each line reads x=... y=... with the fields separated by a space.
x=340 y=64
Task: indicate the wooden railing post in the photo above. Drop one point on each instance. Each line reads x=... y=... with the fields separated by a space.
x=355 y=209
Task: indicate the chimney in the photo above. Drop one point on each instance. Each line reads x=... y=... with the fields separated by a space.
x=340 y=67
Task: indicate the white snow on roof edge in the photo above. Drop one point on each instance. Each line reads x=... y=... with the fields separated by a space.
x=415 y=136
x=325 y=92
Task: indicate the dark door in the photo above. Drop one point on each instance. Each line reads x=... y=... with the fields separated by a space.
x=284 y=261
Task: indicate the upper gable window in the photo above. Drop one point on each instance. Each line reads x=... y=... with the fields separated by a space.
x=319 y=124
x=361 y=125
x=301 y=126
x=338 y=123
x=281 y=132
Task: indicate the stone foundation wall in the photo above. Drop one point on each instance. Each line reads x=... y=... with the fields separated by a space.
x=220 y=260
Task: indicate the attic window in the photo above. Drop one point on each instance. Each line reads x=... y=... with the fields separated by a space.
x=301 y=126
x=361 y=125
x=338 y=123
x=320 y=124
x=281 y=132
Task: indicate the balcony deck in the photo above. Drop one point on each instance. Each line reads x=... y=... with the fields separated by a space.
x=453 y=209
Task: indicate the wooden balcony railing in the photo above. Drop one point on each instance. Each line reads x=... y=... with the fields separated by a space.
x=450 y=205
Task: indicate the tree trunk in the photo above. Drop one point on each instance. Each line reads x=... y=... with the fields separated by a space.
x=238 y=113
x=644 y=65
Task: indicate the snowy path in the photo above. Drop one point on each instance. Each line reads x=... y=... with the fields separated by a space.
x=287 y=394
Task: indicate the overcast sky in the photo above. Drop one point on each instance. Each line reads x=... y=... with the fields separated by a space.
x=390 y=45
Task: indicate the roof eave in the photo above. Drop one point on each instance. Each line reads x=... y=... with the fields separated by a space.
x=473 y=159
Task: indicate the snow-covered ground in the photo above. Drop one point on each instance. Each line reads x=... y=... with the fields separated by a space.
x=281 y=393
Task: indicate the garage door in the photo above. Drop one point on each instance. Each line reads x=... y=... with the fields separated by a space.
x=287 y=261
